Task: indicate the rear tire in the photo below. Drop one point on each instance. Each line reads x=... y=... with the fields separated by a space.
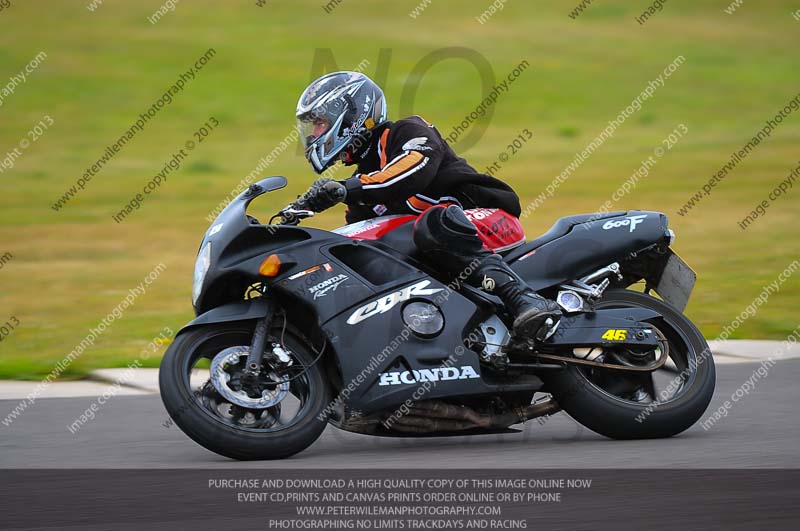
x=189 y=413
x=618 y=418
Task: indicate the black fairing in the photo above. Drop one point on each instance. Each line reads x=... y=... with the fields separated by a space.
x=233 y=239
x=366 y=348
x=325 y=278
x=586 y=246
x=357 y=275
x=354 y=292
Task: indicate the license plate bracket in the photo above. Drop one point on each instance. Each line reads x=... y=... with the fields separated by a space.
x=676 y=282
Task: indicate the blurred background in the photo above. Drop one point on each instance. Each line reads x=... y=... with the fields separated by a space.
x=63 y=270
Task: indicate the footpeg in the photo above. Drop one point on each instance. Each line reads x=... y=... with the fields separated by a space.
x=547 y=329
x=498 y=361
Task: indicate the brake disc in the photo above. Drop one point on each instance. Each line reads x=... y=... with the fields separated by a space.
x=223 y=369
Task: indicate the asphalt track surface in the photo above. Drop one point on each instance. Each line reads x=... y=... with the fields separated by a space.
x=762 y=430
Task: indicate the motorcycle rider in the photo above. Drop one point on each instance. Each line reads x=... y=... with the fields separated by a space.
x=406 y=167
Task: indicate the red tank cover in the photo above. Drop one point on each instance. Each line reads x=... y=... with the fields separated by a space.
x=499 y=230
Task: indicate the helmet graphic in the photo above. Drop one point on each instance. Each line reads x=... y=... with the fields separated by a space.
x=337 y=112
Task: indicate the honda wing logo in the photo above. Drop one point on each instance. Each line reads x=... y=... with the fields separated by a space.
x=633 y=221
x=386 y=303
x=416 y=144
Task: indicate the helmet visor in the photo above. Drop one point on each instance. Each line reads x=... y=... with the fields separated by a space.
x=312 y=128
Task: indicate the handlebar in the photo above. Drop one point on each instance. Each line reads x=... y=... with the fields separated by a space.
x=320 y=196
x=292 y=215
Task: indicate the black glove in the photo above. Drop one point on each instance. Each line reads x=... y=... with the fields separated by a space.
x=323 y=194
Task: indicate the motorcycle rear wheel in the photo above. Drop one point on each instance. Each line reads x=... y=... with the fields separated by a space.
x=590 y=396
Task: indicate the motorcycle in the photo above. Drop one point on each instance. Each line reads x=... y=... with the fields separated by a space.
x=299 y=327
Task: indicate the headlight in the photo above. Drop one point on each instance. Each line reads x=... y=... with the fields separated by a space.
x=671 y=236
x=200 y=269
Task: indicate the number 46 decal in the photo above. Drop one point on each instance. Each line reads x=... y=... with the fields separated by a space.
x=615 y=335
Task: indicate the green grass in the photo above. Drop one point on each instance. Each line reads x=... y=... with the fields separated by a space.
x=104 y=68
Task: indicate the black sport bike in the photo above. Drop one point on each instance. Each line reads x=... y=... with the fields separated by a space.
x=299 y=327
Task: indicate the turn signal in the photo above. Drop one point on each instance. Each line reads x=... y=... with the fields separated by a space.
x=271 y=266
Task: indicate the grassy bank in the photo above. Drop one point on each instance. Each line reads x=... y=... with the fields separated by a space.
x=70 y=268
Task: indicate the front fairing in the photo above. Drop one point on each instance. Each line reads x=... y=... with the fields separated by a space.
x=231 y=223
x=233 y=218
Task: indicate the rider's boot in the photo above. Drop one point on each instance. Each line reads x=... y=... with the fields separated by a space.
x=530 y=310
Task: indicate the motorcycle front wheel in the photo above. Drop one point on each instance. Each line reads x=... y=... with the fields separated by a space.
x=207 y=394
x=629 y=405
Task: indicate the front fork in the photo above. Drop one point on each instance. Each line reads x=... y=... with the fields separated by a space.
x=253 y=366
x=258 y=350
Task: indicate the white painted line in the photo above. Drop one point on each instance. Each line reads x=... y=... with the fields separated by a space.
x=14 y=389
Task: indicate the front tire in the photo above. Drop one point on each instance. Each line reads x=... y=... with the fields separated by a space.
x=577 y=392
x=197 y=413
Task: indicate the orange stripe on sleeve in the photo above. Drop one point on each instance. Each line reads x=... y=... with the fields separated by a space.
x=422 y=203
x=391 y=171
x=418 y=204
x=384 y=136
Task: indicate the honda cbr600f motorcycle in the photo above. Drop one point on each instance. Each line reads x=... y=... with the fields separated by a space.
x=299 y=327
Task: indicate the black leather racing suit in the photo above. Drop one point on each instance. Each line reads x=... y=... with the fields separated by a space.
x=407 y=167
